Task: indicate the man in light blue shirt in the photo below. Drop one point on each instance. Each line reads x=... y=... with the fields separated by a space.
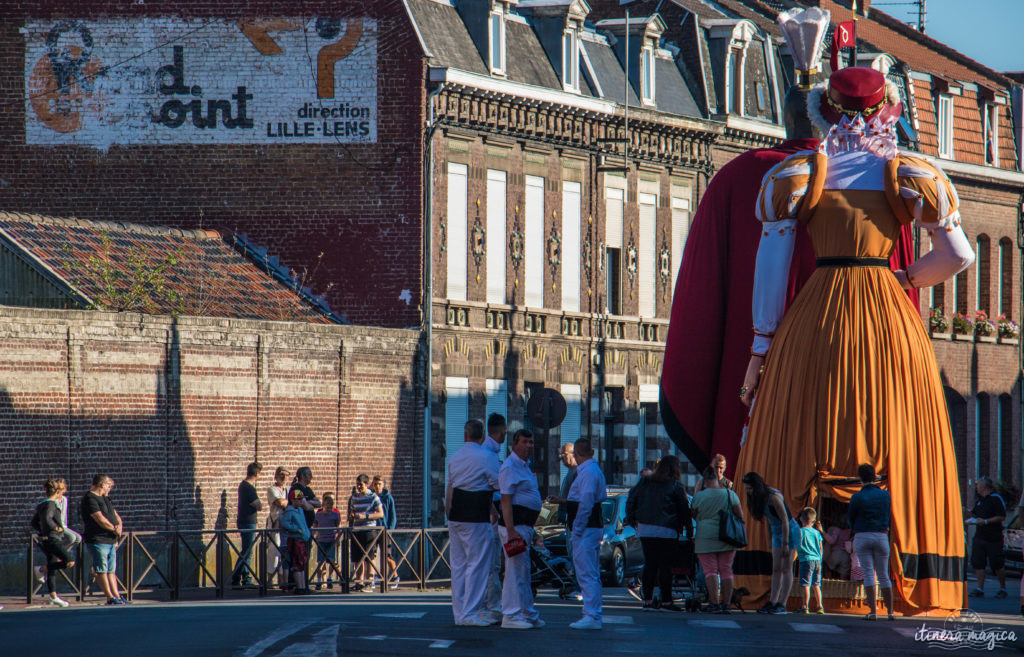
x=587 y=493
x=520 y=506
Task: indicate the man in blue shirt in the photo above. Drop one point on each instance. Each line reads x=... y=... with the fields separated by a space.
x=520 y=506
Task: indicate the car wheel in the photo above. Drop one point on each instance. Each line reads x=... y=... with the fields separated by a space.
x=617 y=569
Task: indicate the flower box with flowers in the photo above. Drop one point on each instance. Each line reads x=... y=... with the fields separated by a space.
x=1008 y=330
x=984 y=329
x=937 y=322
x=963 y=326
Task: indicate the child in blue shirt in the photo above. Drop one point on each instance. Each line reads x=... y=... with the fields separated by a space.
x=808 y=552
x=293 y=521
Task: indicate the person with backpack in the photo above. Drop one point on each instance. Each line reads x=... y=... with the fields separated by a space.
x=47 y=523
x=659 y=510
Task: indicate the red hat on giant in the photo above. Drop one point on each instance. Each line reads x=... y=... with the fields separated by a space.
x=856 y=90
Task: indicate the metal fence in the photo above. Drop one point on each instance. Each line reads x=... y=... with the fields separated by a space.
x=173 y=562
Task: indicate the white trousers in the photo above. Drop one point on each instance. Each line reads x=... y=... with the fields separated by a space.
x=586 y=560
x=516 y=593
x=493 y=597
x=470 y=545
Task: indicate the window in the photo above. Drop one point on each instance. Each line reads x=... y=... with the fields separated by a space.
x=497 y=402
x=680 y=227
x=570 y=429
x=571 y=195
x=614 y=204
x=646 y=269
x=982 y=453
x=497 y=41
x=496 y=207
x=1006 y=278
x=738 y=81
x=570 y=61
x=991 y=117
x=458 y=200
x=960 y=292
x=534 y=237
x=456 y=414
x=647 y=75
x=983 y=268
x=1006 y=438
x=945 y=120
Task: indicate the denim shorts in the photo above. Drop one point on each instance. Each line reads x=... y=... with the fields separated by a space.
x=810 y=573
x=794 y=533
x=104 y=557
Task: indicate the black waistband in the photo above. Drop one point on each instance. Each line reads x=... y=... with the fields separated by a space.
x=572 y=507
x=470 y=505
x=524 y=515
x=852 y=262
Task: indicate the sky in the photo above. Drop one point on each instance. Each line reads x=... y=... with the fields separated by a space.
x=988 y=31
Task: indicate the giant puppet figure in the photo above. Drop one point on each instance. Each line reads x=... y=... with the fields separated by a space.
x=846 y=375
x=706 y=351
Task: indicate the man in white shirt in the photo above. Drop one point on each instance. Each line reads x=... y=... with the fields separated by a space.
x=585 y=522
x=496 y=432
x=520 y=506
x=472 y=480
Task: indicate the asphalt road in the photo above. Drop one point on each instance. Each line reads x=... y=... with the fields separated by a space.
x=413 y=624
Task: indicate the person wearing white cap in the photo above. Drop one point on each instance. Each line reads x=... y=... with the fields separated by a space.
x=472 y=479
x=587 y=526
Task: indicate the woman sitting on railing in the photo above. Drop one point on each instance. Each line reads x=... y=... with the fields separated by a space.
x=47 y=523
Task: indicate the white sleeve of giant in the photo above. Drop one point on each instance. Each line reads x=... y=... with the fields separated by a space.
x=951 y=254
x=771 y=274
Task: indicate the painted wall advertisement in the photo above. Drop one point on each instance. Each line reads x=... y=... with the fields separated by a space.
x=162 y=81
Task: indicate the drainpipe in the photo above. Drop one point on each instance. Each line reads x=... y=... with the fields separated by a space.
x=428 y=293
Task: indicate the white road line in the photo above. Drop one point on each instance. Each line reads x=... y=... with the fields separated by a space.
x=434 y=643
x=617 y=620
x=403 y=614
x=272 y=638
x=322 y=644
x=718 y=624
x=906 y=630
x=818 y=628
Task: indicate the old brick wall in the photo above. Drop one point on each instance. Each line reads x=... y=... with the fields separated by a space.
x=174 y=409
x=101 y=155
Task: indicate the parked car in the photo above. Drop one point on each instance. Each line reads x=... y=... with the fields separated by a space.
x=1013 y=541
x=621 y=554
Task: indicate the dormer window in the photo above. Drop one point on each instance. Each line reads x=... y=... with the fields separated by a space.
x=571 y=60
x=991 y=134
x=647 y=74
x=496 y=38
x=945 y=121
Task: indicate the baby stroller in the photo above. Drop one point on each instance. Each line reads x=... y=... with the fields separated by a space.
x=687 y=579
x=550 y=571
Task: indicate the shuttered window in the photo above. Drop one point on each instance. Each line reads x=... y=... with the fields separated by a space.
x=534 y=265
x=570 y=430
x=613 y=204
x=496 y=206
x=680 y=228
x=456 y=414
x=645 y=253
x=458 y=199
x=497 y=402
x=571 y=195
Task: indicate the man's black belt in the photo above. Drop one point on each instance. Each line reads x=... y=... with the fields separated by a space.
x=471 y=505
x=524 y=515
x=595 y=521
x=852 y=262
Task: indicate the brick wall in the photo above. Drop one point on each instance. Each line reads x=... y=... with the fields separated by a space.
x=296 y=197
x=173 y=410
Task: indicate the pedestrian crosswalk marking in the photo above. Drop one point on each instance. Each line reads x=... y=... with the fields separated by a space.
x=275 y=636
x=403 y=614
x=718 y=624
x=818 y=628
x=906 y=631
x=617 y=620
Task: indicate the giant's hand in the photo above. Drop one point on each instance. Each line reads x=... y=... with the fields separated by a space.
x=751 y=380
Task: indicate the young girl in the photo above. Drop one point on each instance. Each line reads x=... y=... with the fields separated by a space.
x=325 y=525
x=293 y=521
x=809 y=553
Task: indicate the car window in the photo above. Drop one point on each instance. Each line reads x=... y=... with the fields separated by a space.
x=608 y=511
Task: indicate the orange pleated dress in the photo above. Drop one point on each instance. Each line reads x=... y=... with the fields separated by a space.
x=851 y=378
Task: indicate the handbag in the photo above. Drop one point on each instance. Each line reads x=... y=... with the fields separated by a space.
x=731 y=529
x=515 y=546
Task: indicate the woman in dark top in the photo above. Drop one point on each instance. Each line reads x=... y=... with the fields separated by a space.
x=869 y=513
x=768 y=504
x=659 y=510
x=47 y=523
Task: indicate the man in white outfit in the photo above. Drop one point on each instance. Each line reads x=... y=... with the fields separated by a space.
x=520 y=506
x=496 y=431
x=472 y=480
x=585 y=522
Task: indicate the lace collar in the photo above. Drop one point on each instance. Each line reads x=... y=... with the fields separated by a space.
x=874 y=136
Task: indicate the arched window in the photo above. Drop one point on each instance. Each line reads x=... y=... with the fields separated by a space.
x=983 y=268
x=1006 y=277
x=960 y=292
x=958 y=425
x=982 y=437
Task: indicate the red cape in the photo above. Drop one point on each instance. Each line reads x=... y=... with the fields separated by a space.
x=709 y=337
